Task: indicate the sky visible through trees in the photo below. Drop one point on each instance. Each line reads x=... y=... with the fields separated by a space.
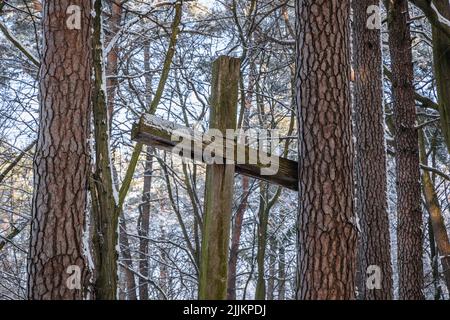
x=341 y=190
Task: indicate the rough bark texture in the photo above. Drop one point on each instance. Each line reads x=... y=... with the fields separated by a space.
x=370 y=165
x=327 y=226
x=104 y=196
x=219 y=185
x=61 y=165
x=409 y=213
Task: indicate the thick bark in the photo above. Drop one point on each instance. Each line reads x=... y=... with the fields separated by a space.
x=327 y=228
x=370 y=164
x=409 y=213
x=61 y=165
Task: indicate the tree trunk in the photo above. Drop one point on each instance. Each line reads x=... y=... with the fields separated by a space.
x=144 y=225
x=409 y=213
x=436 y=216
x=434 y=263
x=246 y=104
x=441 y=63
x=327 y=228
x=130 y=281
x=113 y=57
x=105 y=200
x=370 y=165
x=282 y=273
x=263 y=219
x=272 y=263
x=235 y=239
x=144 y=214
x=61 y=165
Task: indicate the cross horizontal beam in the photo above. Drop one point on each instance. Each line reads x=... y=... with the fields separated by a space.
x=160 y=133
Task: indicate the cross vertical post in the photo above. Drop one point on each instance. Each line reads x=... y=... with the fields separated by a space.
x=219 y=184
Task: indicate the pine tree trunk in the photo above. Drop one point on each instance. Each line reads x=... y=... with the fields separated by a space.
x=409 y=213
x=61 y=165
x=370 y=164
x=327 y=228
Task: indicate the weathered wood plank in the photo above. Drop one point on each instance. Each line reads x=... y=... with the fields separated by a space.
x=219 y=184
x=152 y=130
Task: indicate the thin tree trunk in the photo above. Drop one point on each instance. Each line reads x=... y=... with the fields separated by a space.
x=282 y=273
x=105 y=201
x=144 y=225
x=441 y=63
x=144 y=218
x=113 y=57
x=434 y=262
x=61 y=164
x=246 y=104
x=327 y=227
x=235 y=239
x=370 y=165
x=130 y=281
x=272 y=260
x=409 y=213
x=436 y=216
x=263 y=219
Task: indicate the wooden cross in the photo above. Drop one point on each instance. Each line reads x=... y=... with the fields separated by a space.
x=219 y=184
